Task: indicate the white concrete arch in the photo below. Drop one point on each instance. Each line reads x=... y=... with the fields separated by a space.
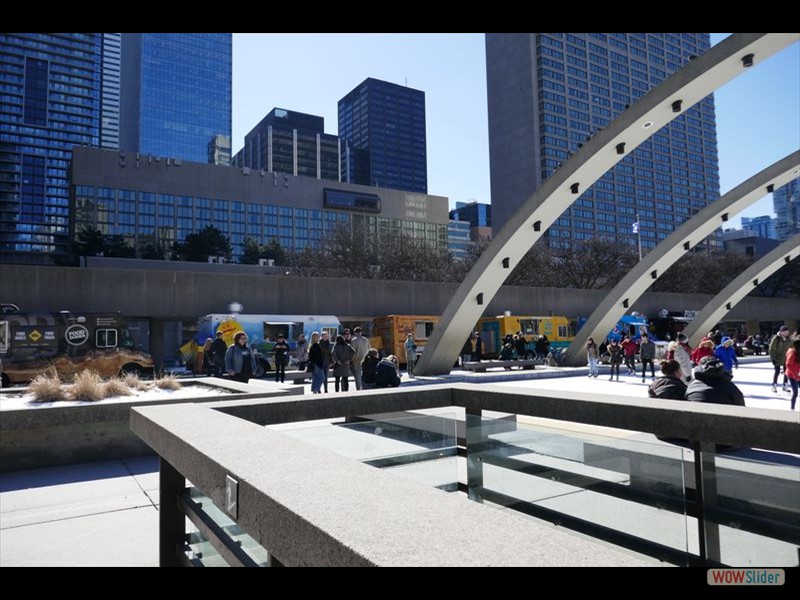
x=733 y=293
x=662 y=257
x=662 y=104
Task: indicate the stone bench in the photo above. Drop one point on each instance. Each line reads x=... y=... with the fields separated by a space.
x=480 y=367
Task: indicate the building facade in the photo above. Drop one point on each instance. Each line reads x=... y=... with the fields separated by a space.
x=176 y=93
x=291 y=142
x=110 y=89
x=382 y=128
x=479 y=217
x=786 y=202
x=50 y=102
x=458 y=238
x=549 y=92
x=156 y=201
x=763 y=227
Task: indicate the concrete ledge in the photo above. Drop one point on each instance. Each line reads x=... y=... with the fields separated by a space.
x=309 y=506
x=32 y=438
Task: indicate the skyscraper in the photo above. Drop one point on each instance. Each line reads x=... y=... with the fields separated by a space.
x=548 y=92
x=176 y=93
x=786 y=202
x=291 y=142
x=110 y=86
x=382 y=128
x=763 y=226
x=51 y=102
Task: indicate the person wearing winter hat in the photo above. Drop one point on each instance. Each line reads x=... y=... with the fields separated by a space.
x=704 y=348
x=680 y=351
x=727 y=354
x=778 y=346
x=712 y=383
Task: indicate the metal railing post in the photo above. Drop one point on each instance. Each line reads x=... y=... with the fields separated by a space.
x=171 y=521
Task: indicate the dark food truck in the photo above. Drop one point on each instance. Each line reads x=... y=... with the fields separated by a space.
x=32 y=343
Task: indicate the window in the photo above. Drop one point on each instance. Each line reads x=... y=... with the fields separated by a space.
x=529 y=326
x=106 y=338
x=423 y=330
x=563 y=331
x=352 y=201
x=3 y=336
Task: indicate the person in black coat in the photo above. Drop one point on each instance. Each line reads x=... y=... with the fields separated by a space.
x=478 y=347
x=368 y=366
x=522 y=348
x=218 y=350
x=712 y=383
x=670 y=385
x=386 y=373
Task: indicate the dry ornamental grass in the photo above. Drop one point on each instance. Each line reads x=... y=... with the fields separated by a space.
x=47 y=388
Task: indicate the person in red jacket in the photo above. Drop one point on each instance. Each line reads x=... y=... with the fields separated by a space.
x=792 y=368
x=629 y=350
x=704 y=348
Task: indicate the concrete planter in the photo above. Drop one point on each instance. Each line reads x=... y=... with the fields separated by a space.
x=33 y=438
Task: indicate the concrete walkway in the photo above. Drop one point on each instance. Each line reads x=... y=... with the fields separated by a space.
x=95 y=514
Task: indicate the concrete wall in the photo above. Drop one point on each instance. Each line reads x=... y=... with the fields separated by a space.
x=33 y=438
x=188 y=294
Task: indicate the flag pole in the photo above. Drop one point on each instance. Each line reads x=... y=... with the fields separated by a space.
x=639 y=235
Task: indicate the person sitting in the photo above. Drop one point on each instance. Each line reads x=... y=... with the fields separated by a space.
x=670 y=385
x=386 y=373
x=368 y=367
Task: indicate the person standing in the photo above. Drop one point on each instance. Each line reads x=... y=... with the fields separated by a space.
x=208 y=365
x=218 y=350
x=342 y=355
x=792 y=368
x=478 y=347
x=411 y=354
x=281 y=349
x=467 y=350
x=301 y=352
x=647 y=352
x=778 y=346
x=615 y=358
x=629 y=351
x=681 y=352
x=240 y=360
x=316 y=360
x=325 y=345
x=361 y=345
x=727 y=355
x=521 y=347
x=593 y=356
x=704 y=348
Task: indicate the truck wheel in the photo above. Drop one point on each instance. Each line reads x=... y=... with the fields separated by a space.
x=132 y=369
x=261 y=368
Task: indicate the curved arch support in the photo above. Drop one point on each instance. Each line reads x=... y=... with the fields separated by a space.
x=733 y=293
x=665 y=254
x=690 y=84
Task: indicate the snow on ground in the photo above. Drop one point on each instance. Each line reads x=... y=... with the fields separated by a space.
x=16 y=402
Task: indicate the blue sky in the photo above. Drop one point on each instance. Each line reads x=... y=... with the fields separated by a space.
x=758 y=113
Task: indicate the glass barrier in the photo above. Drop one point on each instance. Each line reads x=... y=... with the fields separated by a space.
x=751 y=500
x=423 y=448
x=618 y=487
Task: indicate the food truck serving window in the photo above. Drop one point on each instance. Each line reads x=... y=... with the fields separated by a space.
x=106 y=338
x=3 y=336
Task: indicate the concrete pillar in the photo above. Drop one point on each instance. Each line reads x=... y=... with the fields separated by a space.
x=157 y=343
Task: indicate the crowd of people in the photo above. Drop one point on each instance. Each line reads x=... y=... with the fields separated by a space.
x=702 y=374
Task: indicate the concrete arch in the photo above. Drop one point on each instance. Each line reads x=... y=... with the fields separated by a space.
x=721 y=304
x=663 y=256
x=683 y=89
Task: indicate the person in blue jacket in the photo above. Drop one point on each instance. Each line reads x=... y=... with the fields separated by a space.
x=726 y=354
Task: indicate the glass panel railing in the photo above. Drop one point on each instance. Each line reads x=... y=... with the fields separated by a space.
x=419 y=447
x=201 y=548
x=751 y=500
x=615 y=487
